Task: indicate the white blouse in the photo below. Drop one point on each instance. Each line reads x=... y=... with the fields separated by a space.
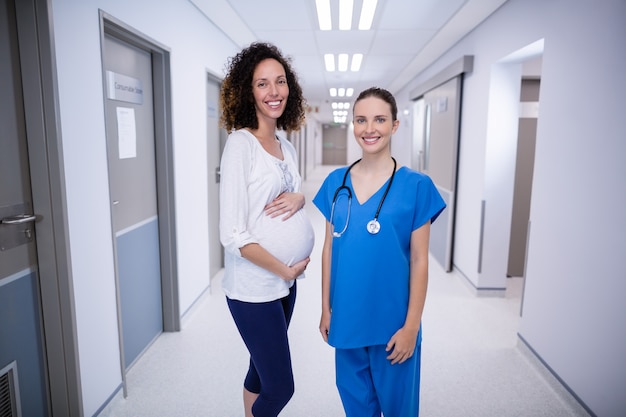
x=250 y=179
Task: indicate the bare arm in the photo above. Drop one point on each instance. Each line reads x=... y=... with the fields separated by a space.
x=259 y=256
x=326 y=311
x=402 y=344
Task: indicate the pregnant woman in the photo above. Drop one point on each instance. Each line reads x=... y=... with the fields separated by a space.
x=266 y=235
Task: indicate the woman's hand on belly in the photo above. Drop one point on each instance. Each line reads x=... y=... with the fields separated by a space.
x=297 y=269
x=286 y=203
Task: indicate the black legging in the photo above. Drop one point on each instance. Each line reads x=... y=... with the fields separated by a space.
x=263 y=328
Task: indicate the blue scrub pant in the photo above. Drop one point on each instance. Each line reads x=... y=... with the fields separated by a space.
x=263 y=328
x=369 y=385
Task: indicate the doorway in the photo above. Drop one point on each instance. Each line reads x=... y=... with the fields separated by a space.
x=440 y=159
x=504 y=201
x=140 y=166
x=216 y=140
x=524 y=166
x=435 y=146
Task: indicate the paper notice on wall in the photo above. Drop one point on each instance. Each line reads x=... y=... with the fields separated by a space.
x=126 y=132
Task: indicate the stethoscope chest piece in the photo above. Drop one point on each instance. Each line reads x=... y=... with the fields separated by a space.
x=373 y=226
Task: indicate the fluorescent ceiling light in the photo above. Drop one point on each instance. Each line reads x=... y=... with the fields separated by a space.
x=339 y=119
x=349 y=92
x=341 y=92
x=345 y=14
x=356 y=62
x=333 y=92
x=342 y=62
x=323 y=14
x=329 y=61
x=367 y=14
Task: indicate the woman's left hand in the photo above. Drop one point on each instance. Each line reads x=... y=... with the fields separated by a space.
x=401 y=345
x=286 y=203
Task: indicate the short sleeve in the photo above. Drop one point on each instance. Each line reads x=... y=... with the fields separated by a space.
x=429 y=202
x=324 y=197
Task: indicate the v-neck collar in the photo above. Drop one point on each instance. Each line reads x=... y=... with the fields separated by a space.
x=380 y=190
x=258 y=143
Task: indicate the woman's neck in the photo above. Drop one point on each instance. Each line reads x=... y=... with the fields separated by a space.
x=266 y=131
x=376 y=163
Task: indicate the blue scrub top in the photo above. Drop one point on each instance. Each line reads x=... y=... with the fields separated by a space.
x=369 y=274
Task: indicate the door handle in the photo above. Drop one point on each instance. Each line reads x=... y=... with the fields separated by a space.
x=19 y=219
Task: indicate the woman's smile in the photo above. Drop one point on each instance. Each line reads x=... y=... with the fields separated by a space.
x=370 y=140
x=275 y=104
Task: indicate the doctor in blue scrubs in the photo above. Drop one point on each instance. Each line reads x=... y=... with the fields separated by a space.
x=375 y=267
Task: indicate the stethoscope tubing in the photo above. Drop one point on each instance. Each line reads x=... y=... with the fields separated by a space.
x=343 y=186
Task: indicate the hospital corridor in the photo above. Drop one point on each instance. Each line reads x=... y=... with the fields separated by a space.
x=472 y=362
x=124 y=192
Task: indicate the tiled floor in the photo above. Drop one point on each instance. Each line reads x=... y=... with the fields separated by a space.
x=473 y=363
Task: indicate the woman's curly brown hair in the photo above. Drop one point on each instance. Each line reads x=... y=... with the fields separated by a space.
x=236 y=97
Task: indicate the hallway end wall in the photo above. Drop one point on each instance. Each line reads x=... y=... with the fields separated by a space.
x=573 y=311
x=195 y=45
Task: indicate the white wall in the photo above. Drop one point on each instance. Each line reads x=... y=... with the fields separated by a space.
x=573 y=312
x=499 y=177
x=353 y=150
x=196 y=46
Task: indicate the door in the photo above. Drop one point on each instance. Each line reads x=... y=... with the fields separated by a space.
x=216 y=140
x=439 y=158
x=23 y=386
x=133 y=191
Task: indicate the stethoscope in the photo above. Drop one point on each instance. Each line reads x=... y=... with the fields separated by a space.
x=373 y=226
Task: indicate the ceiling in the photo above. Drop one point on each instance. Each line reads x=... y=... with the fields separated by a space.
x=406 y=36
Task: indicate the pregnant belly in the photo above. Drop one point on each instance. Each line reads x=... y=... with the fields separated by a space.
x=288 y=240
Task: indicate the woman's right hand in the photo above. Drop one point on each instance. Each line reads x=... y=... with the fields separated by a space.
x=296 y=269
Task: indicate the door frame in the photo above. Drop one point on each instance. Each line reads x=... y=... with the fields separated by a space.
x=164 y=159
x=213 y=178
x=164 y=154
x=45 y=156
